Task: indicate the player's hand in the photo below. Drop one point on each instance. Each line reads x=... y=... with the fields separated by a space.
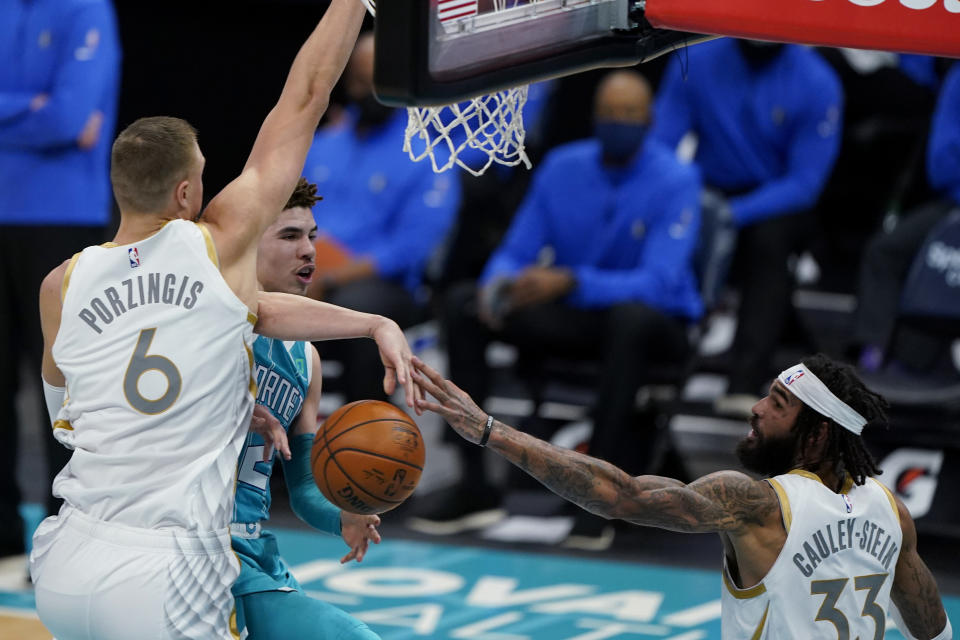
x=358 y=531
x=397 y=360
x=537 y=285
x=453 y=403
x=264 y=424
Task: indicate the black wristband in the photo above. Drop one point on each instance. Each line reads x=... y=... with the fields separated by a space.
x=486 y=432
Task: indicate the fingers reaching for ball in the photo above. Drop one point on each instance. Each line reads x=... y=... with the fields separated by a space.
x=397 y=360
x=453 y=404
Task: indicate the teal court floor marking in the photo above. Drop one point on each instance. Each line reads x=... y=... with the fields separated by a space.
x=411 y=590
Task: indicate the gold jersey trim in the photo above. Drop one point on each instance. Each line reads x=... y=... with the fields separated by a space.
x=63 y=424
x=893 y=502
x=67 y=274
x=758 y=633
x=785 y=511
x=737 y=592
x=847 y=479
x=211 y=247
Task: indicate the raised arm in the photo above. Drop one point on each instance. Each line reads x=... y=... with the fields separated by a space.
x=914 y=593
x=291 y=317
x=239 y=214
x=726 y=501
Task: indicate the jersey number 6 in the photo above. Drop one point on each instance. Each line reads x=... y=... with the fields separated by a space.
x=140 y=363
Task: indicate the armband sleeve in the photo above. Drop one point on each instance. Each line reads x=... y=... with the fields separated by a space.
x=306 y=500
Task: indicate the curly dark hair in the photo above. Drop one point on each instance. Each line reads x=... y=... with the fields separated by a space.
x=844 y=448
x=305 y=195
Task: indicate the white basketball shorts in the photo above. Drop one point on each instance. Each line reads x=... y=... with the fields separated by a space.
x=96 y=580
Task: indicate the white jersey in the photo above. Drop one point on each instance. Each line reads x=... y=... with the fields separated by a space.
x=833 y=576
x=156 y=350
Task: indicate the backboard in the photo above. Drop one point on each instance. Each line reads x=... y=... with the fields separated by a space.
x=432 y=52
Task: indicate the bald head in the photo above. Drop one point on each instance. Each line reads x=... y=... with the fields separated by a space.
x=623 y=96
x=359 y=76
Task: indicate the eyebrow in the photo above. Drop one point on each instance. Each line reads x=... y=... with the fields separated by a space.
x=291 y=230
x=783 y=395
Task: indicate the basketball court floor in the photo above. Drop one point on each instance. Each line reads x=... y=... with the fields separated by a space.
x=509 y=582
x=415 y=589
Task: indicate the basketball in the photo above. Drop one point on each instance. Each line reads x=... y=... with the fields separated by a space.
x=367 y=457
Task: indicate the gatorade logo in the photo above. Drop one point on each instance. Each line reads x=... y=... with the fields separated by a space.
x=952 y=6
x=913 y=473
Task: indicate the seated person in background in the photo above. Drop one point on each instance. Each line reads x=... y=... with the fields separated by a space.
x=767 y=119
x=597 y=263
x=383 y=218
x=890 y=253
x=288 y=389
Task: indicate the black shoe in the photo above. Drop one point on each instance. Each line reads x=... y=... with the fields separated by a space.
x=590 y=533
x=459 y=509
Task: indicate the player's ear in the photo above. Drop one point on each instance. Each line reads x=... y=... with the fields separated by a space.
x=818 y=438
x=181 y=194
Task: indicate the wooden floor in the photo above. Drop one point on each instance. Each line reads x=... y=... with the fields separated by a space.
x=22 y=626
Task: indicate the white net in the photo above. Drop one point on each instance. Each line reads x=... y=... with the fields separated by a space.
x=473 y=134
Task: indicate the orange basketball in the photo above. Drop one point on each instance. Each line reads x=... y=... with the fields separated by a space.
x=367 y=457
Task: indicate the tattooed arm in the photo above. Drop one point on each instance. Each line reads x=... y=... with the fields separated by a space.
x=725 y=501
x=914 y=591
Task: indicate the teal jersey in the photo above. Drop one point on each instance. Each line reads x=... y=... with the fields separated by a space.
x=282 y=371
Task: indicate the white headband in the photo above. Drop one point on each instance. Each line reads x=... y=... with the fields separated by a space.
x=812 y=392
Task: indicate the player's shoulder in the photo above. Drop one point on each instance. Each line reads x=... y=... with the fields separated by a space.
x=53 y=284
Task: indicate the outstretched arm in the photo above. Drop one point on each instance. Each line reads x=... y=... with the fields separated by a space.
x=291 y=317
x=914 y=593
x=726 y=501
x=249 y=204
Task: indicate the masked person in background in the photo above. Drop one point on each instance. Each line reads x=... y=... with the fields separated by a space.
x=767 y=121
x=597 y=264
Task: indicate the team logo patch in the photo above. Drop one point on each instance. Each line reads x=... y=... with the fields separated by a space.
x=793 y=377
x=134 y=256
x=847 y=501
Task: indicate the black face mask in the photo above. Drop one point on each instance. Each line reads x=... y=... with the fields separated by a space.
x=371 y=113
x=759 y=54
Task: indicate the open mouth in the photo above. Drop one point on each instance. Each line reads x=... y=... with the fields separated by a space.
x=305 y=273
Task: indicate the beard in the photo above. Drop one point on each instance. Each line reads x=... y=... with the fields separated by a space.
x=768 y=456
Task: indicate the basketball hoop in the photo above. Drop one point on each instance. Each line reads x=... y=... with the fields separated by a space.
x=474 y=133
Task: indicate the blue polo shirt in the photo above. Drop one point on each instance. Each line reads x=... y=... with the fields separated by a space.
x=628 y=234
x=379 y=203
x=943 y=150
x=770 y=134
x=69 y=50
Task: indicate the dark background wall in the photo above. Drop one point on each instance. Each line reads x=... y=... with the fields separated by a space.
x=219 y=65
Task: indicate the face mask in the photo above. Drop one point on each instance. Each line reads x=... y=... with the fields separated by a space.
x=759 y=54
x=371 y=113
x=619 y=140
